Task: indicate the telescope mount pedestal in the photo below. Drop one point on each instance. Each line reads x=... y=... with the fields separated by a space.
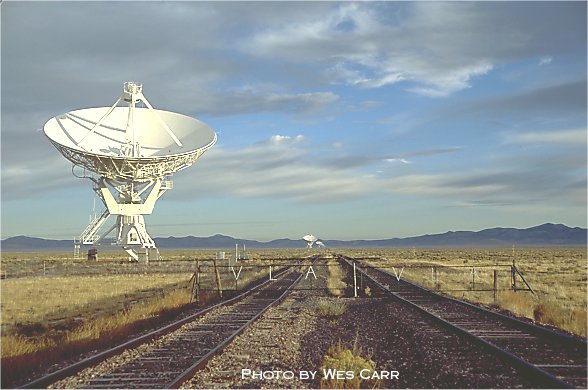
x=130 y=203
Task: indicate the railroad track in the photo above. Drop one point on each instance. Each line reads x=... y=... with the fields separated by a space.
x=550 y=358
x=178 y=350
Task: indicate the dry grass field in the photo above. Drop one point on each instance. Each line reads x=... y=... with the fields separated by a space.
x=54 y=307
x=558 y=277
x=53 y=301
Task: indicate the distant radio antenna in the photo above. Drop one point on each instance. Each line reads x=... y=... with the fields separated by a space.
x=310 y=240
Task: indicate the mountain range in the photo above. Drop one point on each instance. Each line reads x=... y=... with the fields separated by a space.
x=545 y=235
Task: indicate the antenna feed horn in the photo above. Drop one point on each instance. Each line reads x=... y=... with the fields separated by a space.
x=132 y=91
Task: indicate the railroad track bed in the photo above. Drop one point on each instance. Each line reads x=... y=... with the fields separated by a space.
x=423 y=357
x=293 y=336
x=162 y=362
x=556 y=354
x=276 y=341
x=271 y=343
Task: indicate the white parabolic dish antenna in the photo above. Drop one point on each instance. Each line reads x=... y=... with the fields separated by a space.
x=310 y=240
x=130 y=152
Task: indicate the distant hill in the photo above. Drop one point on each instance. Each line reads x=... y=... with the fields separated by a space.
x=32 y=244
x=543 y=235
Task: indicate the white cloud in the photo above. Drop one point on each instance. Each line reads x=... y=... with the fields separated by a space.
x=571 y=137
x=282 y=139
x=386 y=79
x=371 y=104
x=434 y=185
x=34 y=178
x=374 y=54
x=452 y=82
x=279 y=167
x=437 y=48
x=402 y=160
x=254 y=100
x=283 y=168
x=519 y=185
x=545 y=60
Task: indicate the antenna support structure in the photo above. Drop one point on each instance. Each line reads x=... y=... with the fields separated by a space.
x=132 y=153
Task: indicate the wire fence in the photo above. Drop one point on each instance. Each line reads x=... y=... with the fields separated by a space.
x=447 y=278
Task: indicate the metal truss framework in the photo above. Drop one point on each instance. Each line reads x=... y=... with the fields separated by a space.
x=132 y=168
x=129 y=201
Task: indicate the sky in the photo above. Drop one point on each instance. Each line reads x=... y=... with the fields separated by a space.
x=344 y=120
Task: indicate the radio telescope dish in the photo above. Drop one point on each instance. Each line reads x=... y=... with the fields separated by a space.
x=310 y=240
x=130 y=151
x=123 y=143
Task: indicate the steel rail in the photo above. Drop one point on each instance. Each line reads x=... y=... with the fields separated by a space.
x=189 y=372
x=527 y=325
x=93 y=360
x=539 y=375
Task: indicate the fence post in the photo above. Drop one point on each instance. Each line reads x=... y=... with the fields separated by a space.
x=195 y=288
x=218 y=280
x=354 y=281
x=473 y=278
x=524 y=280
x=513 y=276
x=495 y=285
x=198 y=281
